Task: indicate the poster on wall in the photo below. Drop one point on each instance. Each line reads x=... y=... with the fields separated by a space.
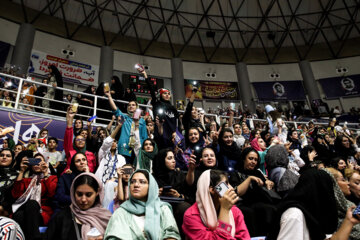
x=279 y=91
x=71 y=71
x=27 y=125
x=212 y=89
x=343 y=86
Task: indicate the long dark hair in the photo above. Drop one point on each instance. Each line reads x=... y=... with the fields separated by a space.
x=159 y=167
x=12 y=156
x=244 y=153
x=91 y=182
x=215 y=177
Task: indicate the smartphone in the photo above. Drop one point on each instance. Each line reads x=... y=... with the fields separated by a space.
x=356 y=212
x=166 y=188
x=197 y=153
x=74 y=107
x=92 y=118
x=106 y=87
x=232 y=106
x=128 y=170
x=221 y=188
x=137 y=113
x=139 y=67
x=34 y=161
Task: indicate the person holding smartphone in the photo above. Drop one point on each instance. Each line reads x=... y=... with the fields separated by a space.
x=214 y=215
x=33 y=195
x=109 y=158
x=133 y=130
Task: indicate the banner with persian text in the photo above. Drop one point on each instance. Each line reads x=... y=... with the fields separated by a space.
x=212 y=90
x=279 y=91
x=71 y=71
x=27 y=125
x=344 y=86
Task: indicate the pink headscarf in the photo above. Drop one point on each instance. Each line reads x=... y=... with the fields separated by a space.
x=206 y=206
x=96 y=216
x=255 y=145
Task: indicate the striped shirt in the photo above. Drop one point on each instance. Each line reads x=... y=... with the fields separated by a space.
x=10 y=230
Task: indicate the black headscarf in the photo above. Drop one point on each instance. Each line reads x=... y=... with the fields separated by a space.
x=314 y=196
x=118 y=88
x=163 y=175
x=342 y=151
x=240 y=164
x=232 y=152
x=59 y=82
x=73 y=168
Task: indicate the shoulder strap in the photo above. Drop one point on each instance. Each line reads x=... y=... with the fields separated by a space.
x=76 y=226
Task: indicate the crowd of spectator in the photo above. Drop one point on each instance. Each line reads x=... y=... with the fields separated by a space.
x=159 y=174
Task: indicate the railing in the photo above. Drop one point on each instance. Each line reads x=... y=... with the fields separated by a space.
x=96 y=109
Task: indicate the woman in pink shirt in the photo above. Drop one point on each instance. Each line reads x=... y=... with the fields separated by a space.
x=78 y=145
x=212 y=216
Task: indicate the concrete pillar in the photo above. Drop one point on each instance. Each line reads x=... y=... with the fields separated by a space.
x=106 y=64
x=244 y=86
x=309 y=80
x=177 y=80
x=23 y=46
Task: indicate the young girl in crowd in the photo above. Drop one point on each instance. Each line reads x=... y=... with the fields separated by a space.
x=85 y=218
x=109 y=158
x=143 y=216
x=33 y=205
x=214 y=216
x=77 y=145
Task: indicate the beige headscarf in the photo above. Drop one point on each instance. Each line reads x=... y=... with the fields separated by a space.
x=206 y=206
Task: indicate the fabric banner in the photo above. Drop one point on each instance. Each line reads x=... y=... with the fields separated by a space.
x=71 y=71
x=344 y=86
x=27 y=125
x=275 y=91
x=212 y=90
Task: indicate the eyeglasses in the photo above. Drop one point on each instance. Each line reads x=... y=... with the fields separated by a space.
x=80 y=140
x=140 y=181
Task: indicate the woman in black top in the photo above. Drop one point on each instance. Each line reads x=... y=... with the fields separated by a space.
x=172 y=183
x=252 y=186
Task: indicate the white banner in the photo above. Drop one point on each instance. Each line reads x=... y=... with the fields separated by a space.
x=71 y=71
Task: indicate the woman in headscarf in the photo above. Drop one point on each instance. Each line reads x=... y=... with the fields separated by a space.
x=33 y=195
x=172 y=182
x=85 y=218
x=8 y=175
x=8 y=143
x=214 y=216
x=116 y=88
x=251 y=185
x=78 y=165
x=308 y=154
x=87 y=101
x=144 y=215
x=345 y=147
x=260 y=146
x=109 y=158
x=341 y=189
x=194 y=146
x=277 y=161
x=133 y=131
x=227 y=151
x=146 y=155
x=58 y=82
x=310 y=211
x=78 y=144
x=192 y=118
x=164 y=111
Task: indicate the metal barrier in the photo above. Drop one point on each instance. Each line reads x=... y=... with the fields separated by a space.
x=97 y=108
